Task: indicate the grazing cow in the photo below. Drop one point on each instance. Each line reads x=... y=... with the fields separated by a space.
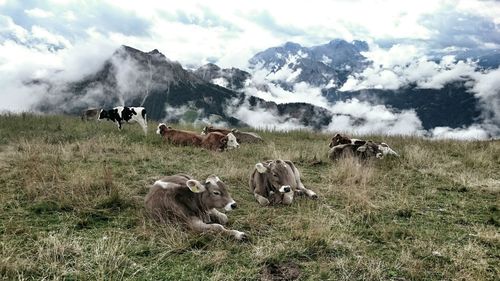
x=219 y=142
x=179 y=137
x=242 y=137
x=91 y=113
x=383 y=148
x=276 y=181
x=122 y=114
x=182 y=199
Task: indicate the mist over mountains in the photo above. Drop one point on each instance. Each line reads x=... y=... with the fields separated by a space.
x=337 y=86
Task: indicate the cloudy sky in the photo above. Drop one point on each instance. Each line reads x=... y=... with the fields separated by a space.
x=230 y=32
x=38 y=37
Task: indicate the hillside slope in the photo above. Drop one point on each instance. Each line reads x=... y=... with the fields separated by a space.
x=71 y=207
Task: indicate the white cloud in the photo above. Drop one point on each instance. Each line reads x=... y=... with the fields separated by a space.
x=41 y=33
x=265 y=119
x=358 y=117
x=391 y=70
x=9 y=29
x=38 y=13
x=474 y=132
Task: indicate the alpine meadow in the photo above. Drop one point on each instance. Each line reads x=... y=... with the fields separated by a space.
x=72 y=208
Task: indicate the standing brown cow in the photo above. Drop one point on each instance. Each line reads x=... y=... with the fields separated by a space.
x=182 y=199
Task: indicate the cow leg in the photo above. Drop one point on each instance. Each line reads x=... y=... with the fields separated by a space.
x=143 y=125
x=217 y=216
x=263 y=201
x=288 y=198
x=197 y=224
x=119 y=124
x=301 y=186
x=258 y=190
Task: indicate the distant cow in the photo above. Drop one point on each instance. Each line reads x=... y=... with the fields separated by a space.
x=182 y=199
x=247 y=137
x=219 y=142
x=383 y=148
x=242 y=137
x=91 y=113
x=210 y=129
x=366 y=151
x=121 y=114
x=339 y=139
x=276 y=181
x=179 y=137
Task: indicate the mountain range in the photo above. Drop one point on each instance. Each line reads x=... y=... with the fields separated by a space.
x=212 y=94
x=169 y=92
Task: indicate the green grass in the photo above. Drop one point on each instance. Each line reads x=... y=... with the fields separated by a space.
x=71 y=208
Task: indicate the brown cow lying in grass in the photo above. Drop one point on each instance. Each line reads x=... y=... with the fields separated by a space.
x=276 y=181
x=182 y=199
x=242 y=137
x=342 y=146
x=212 y=141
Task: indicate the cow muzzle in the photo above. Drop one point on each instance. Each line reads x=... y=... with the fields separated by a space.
x=285 y=189
x=231 y=206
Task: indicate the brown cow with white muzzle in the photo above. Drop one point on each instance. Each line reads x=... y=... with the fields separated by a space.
x=276 y=181
x=182 y=199
x=219 y=142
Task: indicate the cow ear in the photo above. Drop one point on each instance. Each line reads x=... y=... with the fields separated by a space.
x=234 y=131
x=223 y=140
x=195 y=186
x=260 y=168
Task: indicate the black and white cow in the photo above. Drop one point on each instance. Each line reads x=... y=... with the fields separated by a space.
x=121 y=114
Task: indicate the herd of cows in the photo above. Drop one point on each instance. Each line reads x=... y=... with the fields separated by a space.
x=182 y=199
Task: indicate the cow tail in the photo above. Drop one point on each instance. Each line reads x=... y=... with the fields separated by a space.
x=143 y=113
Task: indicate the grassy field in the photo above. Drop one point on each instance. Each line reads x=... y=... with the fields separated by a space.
x=71 y=208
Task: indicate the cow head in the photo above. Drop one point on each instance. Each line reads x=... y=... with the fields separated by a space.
x=232 y=142
x=339 y=139
x=206 y=130
x=369 y=150
x=386 y=150
x=161 y=129
x=278 y=174
x=213 y=193
x=103 y=114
